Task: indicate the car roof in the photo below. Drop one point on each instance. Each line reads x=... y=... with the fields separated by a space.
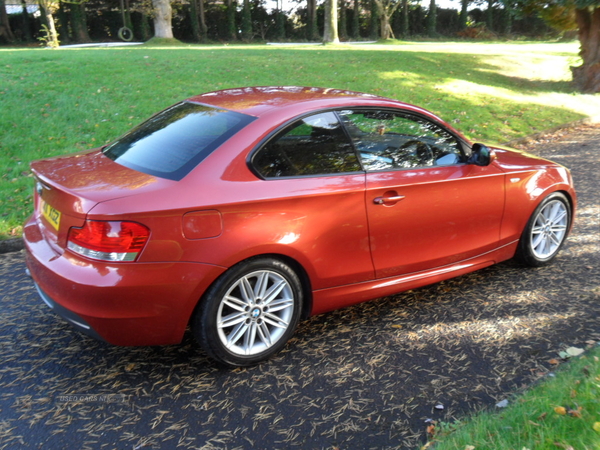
x=260 y=100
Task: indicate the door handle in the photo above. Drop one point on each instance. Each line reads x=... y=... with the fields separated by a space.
x=387 y=199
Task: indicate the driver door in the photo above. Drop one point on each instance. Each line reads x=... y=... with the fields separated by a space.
x=426 y=207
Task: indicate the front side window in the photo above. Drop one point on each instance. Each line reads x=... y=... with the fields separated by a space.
x=393 y=140
x=173 y=142
x=315 y=145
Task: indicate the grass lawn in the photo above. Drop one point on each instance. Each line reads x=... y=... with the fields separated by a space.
x=561 y=413
x=60 y=101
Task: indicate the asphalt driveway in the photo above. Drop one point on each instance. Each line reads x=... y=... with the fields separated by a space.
x=364 y=377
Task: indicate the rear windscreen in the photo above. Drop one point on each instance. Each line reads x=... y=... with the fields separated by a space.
x=174 y=141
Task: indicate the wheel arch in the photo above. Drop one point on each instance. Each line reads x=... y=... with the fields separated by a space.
x=294 y=264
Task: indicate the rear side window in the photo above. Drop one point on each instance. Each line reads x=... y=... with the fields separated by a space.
x=173 y=142
x=315 y=145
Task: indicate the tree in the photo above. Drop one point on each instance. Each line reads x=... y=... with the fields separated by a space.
x=330 y=34
x=385 y=9
x=231 y=29
x=404 y=29
x=78 y=21
x=584 y=16
x=432 y=19
x=464 y=14
x=162 y=19
x=48 y=8
x=343 y=28
x=587 y=76
x=5 y=24
x=312 y=33
x=356 y=20
x=247 y=33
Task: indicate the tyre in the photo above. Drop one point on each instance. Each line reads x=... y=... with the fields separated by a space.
x=249 y=313
x=546 y=231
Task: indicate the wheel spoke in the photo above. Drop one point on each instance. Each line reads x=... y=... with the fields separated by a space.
x=232 y=319
x=537 y=240
x=275 y=320
x=235 y=335
x=265 y=334
x=274 y=291
x=250 y=337
x=282 y=303
x=235 y=303
x=554 y=238
x=262 y=284
x=246 y=290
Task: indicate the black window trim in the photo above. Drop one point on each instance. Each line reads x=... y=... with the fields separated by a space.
x=250 y=159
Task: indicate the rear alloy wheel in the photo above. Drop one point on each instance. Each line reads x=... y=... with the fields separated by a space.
x=250 y=312
x=546 y=231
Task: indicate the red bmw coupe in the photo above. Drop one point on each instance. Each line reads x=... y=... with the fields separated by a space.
x=241 y=211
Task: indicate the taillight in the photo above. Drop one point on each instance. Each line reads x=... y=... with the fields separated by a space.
x=108 y=241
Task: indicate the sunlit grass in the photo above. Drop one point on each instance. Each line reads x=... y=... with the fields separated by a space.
x=562 y=412
x=56 y=102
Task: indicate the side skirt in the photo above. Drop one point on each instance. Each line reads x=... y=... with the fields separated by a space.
x=341 y=296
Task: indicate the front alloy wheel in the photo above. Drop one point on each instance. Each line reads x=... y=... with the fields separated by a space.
x=546 y=231
x=250 y=313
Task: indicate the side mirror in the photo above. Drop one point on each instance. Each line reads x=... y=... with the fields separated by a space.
x=481 y=155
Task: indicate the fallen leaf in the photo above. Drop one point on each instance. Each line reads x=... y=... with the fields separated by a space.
x=573 y=393
x=554 y=361
x=575 y=412
x=596 y=427
x=575 y=351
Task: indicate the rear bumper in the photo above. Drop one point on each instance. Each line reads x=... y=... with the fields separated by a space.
x=120 y=303
x=76 y=321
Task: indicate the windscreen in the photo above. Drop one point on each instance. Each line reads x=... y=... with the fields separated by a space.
x=174 y=141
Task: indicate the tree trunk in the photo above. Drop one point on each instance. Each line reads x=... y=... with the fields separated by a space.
x=162 y=19
x=356 y=20
x=404 y=30
x=280 y=24
x=374 y=24
x=247 y=33
x=26 y=22
x=5 y=30
x=193 y=11
x=330 y=33
x=464 y=14
x=312 y=33
x=432 y=19
x=61 y=22
x=386 y=29
x=343 y=28
x=231 y=29
x=489 y=15
x=203 y=27
x=51 y=36
x=587 y=76
x=145 y=27
x=79 y=23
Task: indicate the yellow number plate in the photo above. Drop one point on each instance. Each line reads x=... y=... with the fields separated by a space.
x=52 y=215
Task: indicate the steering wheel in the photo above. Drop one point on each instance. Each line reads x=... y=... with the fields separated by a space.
x=422 y=151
